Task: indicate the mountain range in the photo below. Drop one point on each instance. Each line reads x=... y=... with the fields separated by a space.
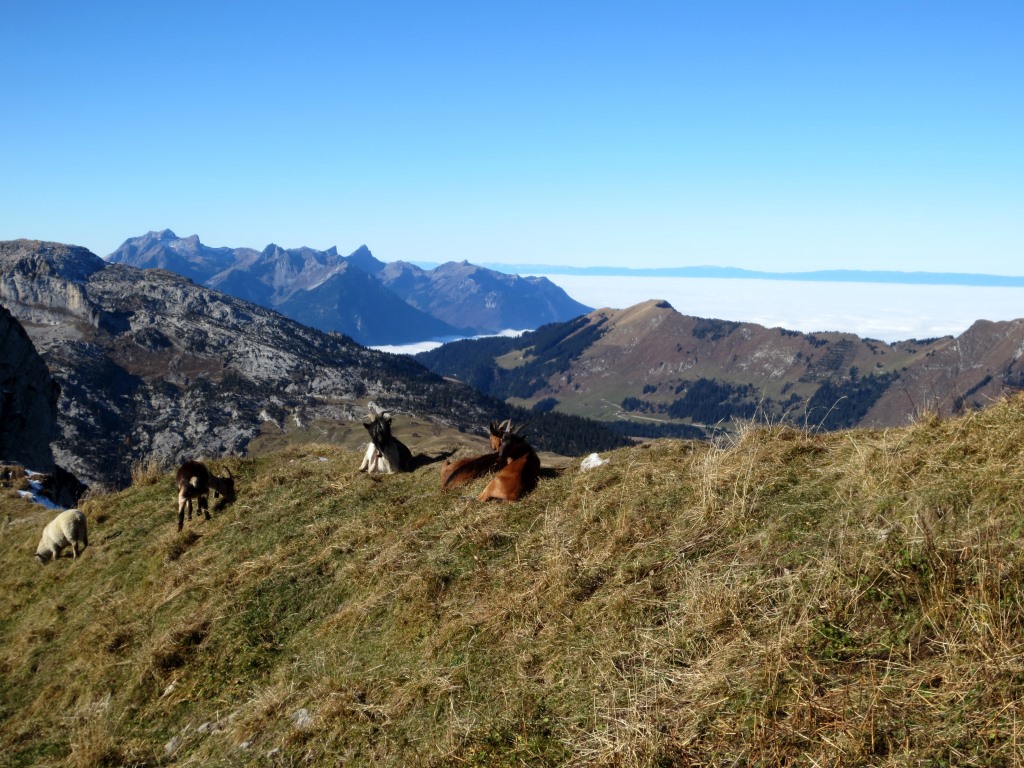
x=654 y=371
x=373 y=302
x=152 y=366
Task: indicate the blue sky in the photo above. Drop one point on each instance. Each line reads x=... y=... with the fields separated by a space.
x=781 y=136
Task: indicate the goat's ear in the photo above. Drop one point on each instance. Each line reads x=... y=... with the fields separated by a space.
x=228 y=470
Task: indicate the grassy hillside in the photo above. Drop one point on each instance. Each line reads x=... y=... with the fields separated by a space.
x=853 y=598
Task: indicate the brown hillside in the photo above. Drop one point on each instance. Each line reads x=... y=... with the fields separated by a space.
x=652 y=345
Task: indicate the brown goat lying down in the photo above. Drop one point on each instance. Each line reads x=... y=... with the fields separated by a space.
x=520 y=468
x=195 y=481
x=456 y=473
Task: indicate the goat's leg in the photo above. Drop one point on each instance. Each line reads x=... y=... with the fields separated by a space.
x=499 y=490
x=204 y=505
x=181 y=512
x=490 y=492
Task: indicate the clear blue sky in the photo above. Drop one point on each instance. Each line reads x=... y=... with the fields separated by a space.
x=765 y=135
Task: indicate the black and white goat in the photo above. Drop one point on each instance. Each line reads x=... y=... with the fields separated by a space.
x=385 y=454
x=195 y=481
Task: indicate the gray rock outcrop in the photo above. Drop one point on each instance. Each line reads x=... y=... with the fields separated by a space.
x=28 y=399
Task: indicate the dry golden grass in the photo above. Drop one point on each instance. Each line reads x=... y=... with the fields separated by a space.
x=146 y=471
x=786 y=598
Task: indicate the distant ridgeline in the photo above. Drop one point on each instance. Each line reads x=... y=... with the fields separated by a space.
x=649 y=371
x=823 y=275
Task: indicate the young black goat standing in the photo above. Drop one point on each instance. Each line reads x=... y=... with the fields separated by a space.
x=195 y=481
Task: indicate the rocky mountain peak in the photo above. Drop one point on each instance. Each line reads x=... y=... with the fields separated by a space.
x=150 y=239
x=187 y=244
x=362 y=257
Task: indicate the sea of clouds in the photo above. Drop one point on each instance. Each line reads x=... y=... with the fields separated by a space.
x=884 y=311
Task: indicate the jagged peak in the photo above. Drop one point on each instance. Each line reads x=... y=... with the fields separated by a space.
x=150 y=238
x=362 y=258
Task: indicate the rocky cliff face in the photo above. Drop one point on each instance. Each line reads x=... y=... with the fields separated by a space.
x=152 y=365
x=28 y=413
x=28 y=399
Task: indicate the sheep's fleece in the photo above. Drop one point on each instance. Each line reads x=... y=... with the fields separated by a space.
x=66 y=529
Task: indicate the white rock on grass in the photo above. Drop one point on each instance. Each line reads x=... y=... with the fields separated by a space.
x=592 y=461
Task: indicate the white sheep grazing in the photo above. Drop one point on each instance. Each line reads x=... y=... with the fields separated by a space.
x=67 y=528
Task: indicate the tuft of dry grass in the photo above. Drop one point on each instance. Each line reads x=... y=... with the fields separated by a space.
x=13 y=476
x=147 y=471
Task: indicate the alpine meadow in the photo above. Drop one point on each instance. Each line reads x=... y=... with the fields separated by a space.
x=784 y=598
